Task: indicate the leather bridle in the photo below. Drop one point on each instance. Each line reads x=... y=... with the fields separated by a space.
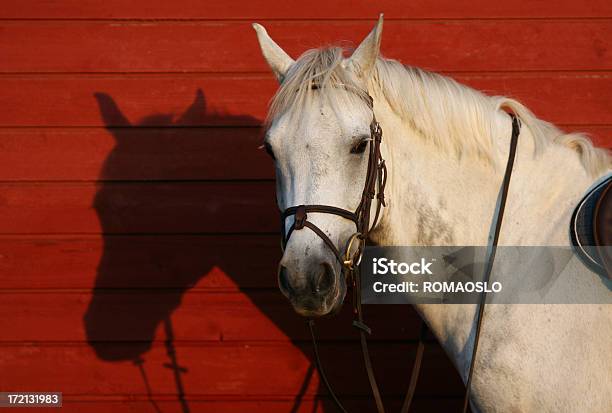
x=374 y=187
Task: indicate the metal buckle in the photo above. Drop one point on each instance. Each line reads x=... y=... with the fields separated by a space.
x=351 y=262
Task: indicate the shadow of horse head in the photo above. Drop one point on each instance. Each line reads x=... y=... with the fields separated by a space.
x=145 y=267
x=158 y=242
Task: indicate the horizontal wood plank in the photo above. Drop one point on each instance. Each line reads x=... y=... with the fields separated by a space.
x=221 y=370
x=294 y=9
x=138 y=316
x=63 y=154
x=50 y=154
x=221 y=46
x=138 y=207
x=214 y=262
x=158 y=100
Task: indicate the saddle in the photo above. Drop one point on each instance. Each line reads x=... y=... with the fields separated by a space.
x=591 y=228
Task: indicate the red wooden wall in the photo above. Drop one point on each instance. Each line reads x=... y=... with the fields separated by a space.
x=137 y=224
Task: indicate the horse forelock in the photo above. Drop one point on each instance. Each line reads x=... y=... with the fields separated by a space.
x=317 y=73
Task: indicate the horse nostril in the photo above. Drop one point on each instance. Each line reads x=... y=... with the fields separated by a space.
x=325 y=279
x=283 y=281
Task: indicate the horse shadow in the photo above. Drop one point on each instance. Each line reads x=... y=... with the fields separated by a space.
x=141 y=280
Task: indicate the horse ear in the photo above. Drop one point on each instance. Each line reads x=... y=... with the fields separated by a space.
x=276 y=57
x=364 y=57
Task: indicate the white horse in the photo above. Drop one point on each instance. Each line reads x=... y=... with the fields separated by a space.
x=445 y=145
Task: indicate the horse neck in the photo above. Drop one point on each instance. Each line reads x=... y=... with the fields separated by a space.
x=439 y=198
x=435 y=198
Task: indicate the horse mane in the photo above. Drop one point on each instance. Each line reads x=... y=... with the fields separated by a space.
x=454 y=116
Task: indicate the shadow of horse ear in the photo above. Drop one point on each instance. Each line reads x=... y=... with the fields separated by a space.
x=110 y=112
x=195 y=112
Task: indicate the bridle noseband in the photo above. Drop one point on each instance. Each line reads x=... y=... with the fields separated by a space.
x=374 y=187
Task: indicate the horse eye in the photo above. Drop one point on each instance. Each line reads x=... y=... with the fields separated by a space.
x=269 y=150
x=360 y=147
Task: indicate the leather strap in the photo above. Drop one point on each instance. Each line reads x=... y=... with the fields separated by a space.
x=516 y=129
x=301 y=220
x=416 y=369
x=320 y=369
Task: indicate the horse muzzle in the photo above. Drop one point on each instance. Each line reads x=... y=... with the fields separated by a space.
x=314 y=290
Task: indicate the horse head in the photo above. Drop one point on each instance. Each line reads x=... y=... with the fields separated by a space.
x=325 y=142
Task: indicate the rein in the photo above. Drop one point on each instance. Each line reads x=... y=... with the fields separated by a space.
x=374 y=187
